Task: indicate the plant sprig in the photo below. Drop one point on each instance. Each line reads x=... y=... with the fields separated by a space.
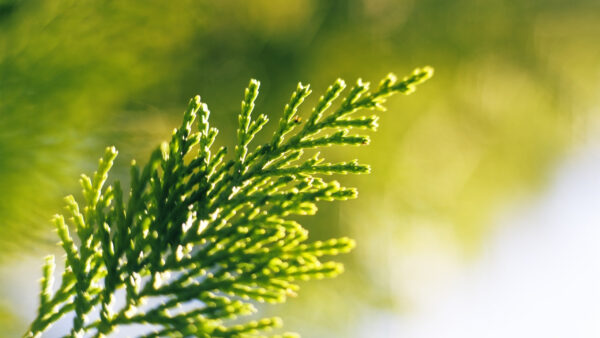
x=213 y=234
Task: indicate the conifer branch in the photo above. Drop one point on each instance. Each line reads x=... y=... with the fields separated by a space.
x=211 y=233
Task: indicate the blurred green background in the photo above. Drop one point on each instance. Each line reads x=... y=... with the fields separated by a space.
x=516 y=85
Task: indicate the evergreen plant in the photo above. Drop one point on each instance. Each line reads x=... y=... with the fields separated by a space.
x=198 y=238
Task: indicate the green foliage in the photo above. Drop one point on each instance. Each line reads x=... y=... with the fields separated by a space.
x=212 y=234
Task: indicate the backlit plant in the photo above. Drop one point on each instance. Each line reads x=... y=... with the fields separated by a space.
x=198 y=238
